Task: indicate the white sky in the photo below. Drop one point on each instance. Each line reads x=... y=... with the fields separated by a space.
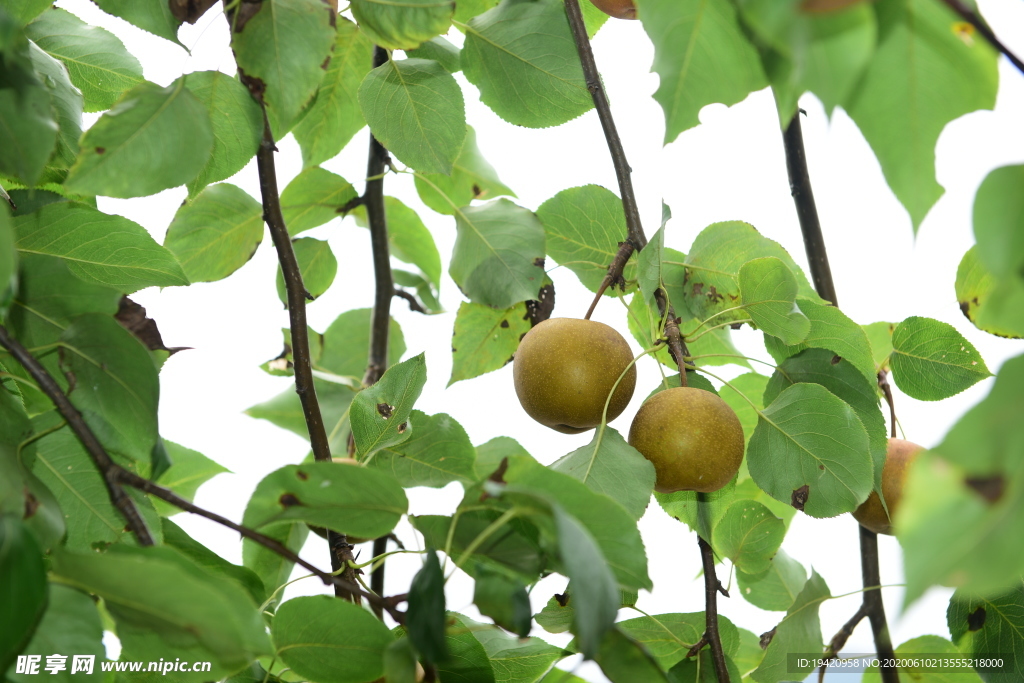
x=731 y=167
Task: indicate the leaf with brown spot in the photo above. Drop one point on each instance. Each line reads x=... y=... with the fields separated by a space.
x=976 y=619
x=989 y=488
x=800 y=495
x=289 y=500
x=385 y=410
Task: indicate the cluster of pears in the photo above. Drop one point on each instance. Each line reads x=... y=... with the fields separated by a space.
x=566 y=368
x=871 y=514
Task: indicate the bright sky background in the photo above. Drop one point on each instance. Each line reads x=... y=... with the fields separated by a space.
x=731 y=167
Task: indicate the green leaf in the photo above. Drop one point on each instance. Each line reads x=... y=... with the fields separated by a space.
x=160 y=599
x=998 y=214
x=649 y=266
x=513 y=659
x=409 y=239
x=154 y=16
x=188 y=471
x=97 y=247
x=467 y=659
x=67 y=470
x=285 y=45
x=325 y=639
x=768 y=290
x=699 y=512
x=97 y=61
x=845 y=382
x=70 y=625
x=668 y=637
x=516 y=550
x=752 y=385
x=349 y=499
x=830 y=329
x=931 y=647
x=624 y=660
x=175 y=537
x=115 y=384
x=415 y=108
x=28 y=128
x=467 y=9
x=606 y=521
x=314 y=197
x=749 y=535
x=403 y=24
x=285 y=411
x=993 y=306
x=380 y=414
x=472 y=177
x=8 y=252
x=702 y=57
x=597 y=596
x=526 y=46
x=425 y=618
x=422 y=289
x=505 y=600
x=441 y=50
x=400 y=662
x=317 y=264
x=810 y=450
x=67 y=105
x=438 y=453
x=922 y=76
x=485 y=338
x=965 y=500
x=713 y=265
x=26 y=10
x=237 y=125
x=583 y=227
x=559 y=612
x=272 y=569
x=611 y=466
x=334 y=116
x=489 y=455
x=154 y=138
x=216 y=233
x=800 y=631
x=499 y=254
x=880 y=340
x=990 y=627
x=25 y=597
x=346 y=340
x=932 y=361
x=777 y=587
x=747 y=489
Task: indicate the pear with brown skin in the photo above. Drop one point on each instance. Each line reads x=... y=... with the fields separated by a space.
x=564 y=370
x=692 y=437
x=899 y=457
x=620 y=9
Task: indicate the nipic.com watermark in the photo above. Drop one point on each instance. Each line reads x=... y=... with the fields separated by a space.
x=86 y=664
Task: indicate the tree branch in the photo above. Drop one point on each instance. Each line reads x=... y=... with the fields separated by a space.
x=711 y=587
x=634 y=229
x=340 y=548
x=839 y=639
x=414 y=303
x=104 y=463
x=814 y=243
x=979 y=25
x=373 y=200
x=134 y=480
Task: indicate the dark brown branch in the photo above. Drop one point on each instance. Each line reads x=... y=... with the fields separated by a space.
x=839 y=639
x=806 y=211
x=981 y=27
x=814 y=243
x=883 y=383
x=711 y=586
x=340 y=548
x=107 y=467
x=387 y=604
x=373 y=200
x=414 y=303
x=613 y=278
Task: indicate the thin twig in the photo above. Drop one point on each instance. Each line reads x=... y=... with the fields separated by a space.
x=883 y=383
x=340 y=548
x=134 y=480
x=414 y=303
x=104 y=463
x=373 y=199
x=975 y=20
x=839 y=639
x=711 y=587
x=814 y=243
x=614 y=275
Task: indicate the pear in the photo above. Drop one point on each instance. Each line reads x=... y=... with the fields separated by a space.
x=692 y=437
x=898 y=457
x=564 y=370
x=620 y=9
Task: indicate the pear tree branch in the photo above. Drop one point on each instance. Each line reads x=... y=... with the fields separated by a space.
x=975 y=20
x=814 y=243
x=104 y=463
